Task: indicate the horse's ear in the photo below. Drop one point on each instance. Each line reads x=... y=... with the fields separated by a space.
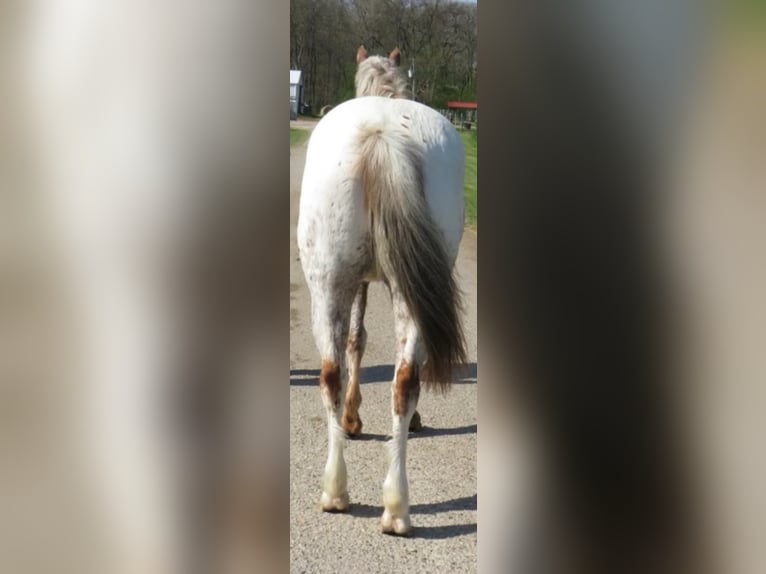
x=395 y=56
x=361 y=54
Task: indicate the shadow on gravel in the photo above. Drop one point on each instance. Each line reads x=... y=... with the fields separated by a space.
x=462 y=503
x=442 y=532
x=425 y=432
x=364 y=437
x=374 y=374
x=364 y=510
x=427 y=532
x=429 y=431
x=304 y=377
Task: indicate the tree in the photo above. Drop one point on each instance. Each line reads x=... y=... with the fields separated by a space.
x=439 y=36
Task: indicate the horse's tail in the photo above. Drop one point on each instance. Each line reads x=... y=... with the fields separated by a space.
x=409 y=247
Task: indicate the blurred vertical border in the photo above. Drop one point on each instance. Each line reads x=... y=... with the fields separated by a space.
x=618 y=270
x=46 y=521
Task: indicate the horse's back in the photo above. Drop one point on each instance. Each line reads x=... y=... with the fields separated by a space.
x=440 y=140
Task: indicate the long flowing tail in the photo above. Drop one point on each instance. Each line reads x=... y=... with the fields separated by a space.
x=409 y=247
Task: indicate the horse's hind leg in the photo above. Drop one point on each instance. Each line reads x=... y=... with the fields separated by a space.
x=405 y=391
x=331 y=309
x=357 y=340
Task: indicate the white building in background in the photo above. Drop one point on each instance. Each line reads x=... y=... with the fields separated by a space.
x=296 y=93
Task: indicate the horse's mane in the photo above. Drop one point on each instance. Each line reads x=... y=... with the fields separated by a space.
x=380 y=76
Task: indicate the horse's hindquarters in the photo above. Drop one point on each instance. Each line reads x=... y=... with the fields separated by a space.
x=332 y=194
x=443 y=179
x=333 y=223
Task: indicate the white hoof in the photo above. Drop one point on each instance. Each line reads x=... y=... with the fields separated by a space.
x=334 y=503
x=399 y=525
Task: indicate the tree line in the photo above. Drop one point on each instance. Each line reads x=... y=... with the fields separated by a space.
x=438 y=36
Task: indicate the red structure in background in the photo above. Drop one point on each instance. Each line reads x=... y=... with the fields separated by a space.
x=463 y=105
x=465 y=113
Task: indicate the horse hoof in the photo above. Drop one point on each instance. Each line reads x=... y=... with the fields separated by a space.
x=353 y=427
x=399 y=526
x=334 y=503
x=415 y=424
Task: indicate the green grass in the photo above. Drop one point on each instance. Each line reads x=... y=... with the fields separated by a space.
x=297 y=136
x=746 y=14
x=469 y=187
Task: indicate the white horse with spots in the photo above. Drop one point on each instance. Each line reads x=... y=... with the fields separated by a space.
x=382 y=200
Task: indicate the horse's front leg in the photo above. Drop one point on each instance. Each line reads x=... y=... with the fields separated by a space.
x=405 y=391
x=331 y=312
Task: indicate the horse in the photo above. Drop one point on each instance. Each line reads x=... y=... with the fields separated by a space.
x=382 y=200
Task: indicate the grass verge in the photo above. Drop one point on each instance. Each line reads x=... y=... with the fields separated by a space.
x=469 y=187
x=297 y=136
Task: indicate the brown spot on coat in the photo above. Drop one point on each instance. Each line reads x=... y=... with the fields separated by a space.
x=406 y=387
x=353 y=344
x=329 y=381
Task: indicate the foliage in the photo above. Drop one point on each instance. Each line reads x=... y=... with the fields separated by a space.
x=439 y=36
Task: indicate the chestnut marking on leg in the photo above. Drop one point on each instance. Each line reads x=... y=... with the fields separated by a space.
x=351 y=421
x=329 y=382
x=357 y=341
x=406 y=387
x=415 y=424
x=335 y=493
